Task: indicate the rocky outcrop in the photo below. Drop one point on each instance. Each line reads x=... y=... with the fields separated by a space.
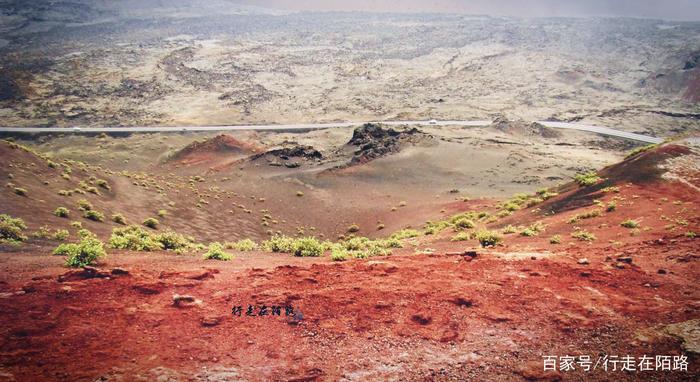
x=373 y=141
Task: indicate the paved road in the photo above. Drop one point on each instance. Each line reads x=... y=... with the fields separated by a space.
x=306 y=126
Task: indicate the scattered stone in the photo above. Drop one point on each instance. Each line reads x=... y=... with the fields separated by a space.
x=119 y=272
x=625 y=259
x=182 y=301
x=689 y=332
x=421 y=320
x=460 y=301
x=619 y=265
x=210 y=321
x=296 y=319
x=83 y=274
x=534 y=371
x=585 y=274
x=583 y=261
x=661 y=271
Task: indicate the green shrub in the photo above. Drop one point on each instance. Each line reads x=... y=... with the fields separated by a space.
x=587 y=179
x=170 y=240
x=43 y=232
x=162 y=213
x=11 y=229
x=279 y=243
x=133 y=238
x=610 y=189
x=84 y=253
x=76 y=224
x=463 y=223
x=339 y=254
x=151 y=223
x=612 y=206
x=690 y=234
x=432 y=228
x=216 y=252
x=244 y=245
x=61 y=234
x=103 y=183
x=84 y=205
x=405 y=234
x=583 y=235
x=65 y=192
x=353 y=228
x=462 y=236
x=509 y=229
x=639 y=150
x=362 y=247
x=299 y=193
x=94 y=215
x=62 y=212
x=20 y=191
x=629 y=223
x=556 y=239
x=488 y=238
x=307 y=247
x=119 y=219
x=585 y=215
x=533 y=230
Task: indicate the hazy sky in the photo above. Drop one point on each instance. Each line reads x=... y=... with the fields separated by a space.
x=665 y=9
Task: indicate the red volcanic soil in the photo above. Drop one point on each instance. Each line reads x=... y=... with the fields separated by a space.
x=219 y=147
x=435 y=310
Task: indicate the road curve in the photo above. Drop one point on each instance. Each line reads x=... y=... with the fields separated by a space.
x=313 y=126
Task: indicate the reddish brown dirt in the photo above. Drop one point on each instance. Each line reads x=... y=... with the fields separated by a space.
x=456 y=319
x=215 y=151
x=409 y=316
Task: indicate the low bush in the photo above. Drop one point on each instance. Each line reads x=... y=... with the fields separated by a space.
x=509 y=229
x=585 y=215
x=133 y=238
x=629 y=223
x=244 y=245
x=339 y=254
x=279 y=243
x=353 y=228
x=462 y=236
x=170 y=240
x=533 y=230
x=84 y=205
x=639 y=150
x=119 y=219
x=11 y=229
x=62 y=212
x=405 y=234
x=556 y=239
x=463 y=223
x=488 y=238
x=583 y=235
x=151 y=223
x=84 y=253
x=94 y=215
x=307 y=247
x=216 y=252
x=103 y=183
x=60 y=235
x=587 y=179
x=20 y=191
